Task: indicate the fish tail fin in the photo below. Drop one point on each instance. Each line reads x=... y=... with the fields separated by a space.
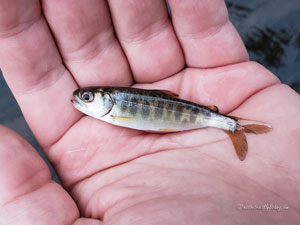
x=238 y=137
x=251 y=126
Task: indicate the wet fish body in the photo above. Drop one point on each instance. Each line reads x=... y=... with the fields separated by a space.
x=155 y=110
x=162 y=111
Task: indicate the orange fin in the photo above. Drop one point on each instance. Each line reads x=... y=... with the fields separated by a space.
x=213 y=108
x=167 y=130
x=169 y=93
x=236 y=118
x=252 y=126
x=239 y=142
x=238 y=137
x=256 y=128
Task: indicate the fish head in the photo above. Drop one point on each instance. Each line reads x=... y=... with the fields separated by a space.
x=92 y=101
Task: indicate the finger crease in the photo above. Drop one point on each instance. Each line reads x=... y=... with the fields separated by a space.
x=212 y=31
x=148 y=32
x=19 y=28
x=45 y=81
x=92 y=47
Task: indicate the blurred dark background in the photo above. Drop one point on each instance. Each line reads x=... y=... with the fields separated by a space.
x=270 y=30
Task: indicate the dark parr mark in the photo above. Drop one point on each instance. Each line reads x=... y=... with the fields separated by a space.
x=170 y=108
x=145 y=111
x=124 y=104
x=206 y=112
x=193 y=115
x=133 y=106
x=185 y=121
x=178 y=112
x=159 y=110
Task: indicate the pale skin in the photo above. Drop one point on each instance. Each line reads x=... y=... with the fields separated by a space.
x=118 y=176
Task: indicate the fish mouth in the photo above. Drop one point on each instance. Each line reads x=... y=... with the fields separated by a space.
x=77 y=103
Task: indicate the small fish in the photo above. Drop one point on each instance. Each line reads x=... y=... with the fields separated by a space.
x=162 y=111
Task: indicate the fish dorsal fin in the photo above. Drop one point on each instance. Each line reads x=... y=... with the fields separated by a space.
x=213 y=108
x=168 y=93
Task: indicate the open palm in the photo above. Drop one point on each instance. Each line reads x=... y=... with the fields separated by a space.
x=116 y=175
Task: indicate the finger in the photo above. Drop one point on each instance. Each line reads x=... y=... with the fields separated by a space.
x=85 y=36
x=207 y=37
x=27 y=194
x=34 y=71
x=148 y=38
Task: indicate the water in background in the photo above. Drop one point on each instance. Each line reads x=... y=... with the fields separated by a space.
x=11 y=116
x=271 y=33
x=270 y=30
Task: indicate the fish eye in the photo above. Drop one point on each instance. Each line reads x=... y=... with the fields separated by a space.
x=87 y=96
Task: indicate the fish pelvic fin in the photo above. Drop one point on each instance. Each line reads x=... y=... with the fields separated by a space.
x=239 y=142
x=238 y=137
x=167 y=130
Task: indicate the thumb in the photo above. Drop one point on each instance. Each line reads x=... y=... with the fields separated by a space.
x=27 y=194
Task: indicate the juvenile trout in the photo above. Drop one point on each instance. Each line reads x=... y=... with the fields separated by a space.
x=162 y=111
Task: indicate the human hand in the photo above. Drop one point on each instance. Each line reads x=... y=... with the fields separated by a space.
x=115 y=175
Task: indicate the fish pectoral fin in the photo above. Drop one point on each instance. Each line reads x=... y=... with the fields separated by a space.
x=213 y=108
x=168 y=93
x=167 y=130
x=123 y=118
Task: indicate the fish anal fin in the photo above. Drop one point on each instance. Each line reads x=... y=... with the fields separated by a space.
x=169 y=93
x=213 y=108
x=239 y=142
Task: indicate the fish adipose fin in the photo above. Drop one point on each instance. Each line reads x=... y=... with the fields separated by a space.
x=238 y=137
x=213 y=108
